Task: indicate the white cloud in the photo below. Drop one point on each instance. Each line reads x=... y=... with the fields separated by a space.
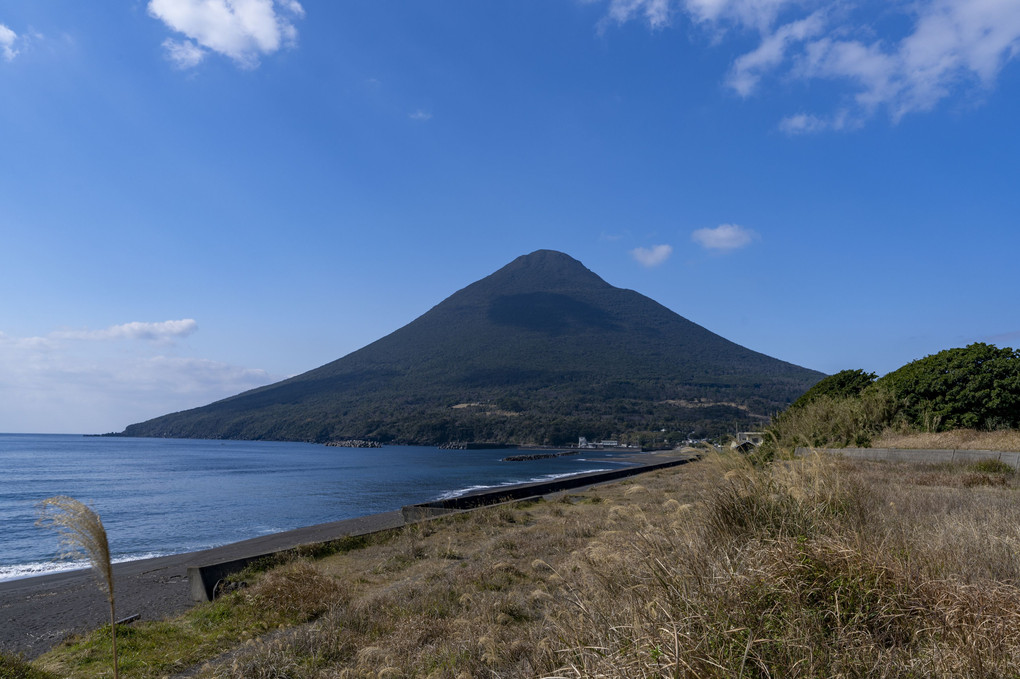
x=807 y=123
x=756 y=14
x=160 y=332
x=954 y=46
x=87 y=382
x=749 y=68
x=7 y=40
x=420 y=115
x=192 y=376
x=803 y=123
x=937 y=49
x=724 y=237
x=294 y=7
x=653 y=256
x=655 y=12
x=183 y=53
x=243 y=30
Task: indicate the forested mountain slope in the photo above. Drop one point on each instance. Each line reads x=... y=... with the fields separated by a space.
x=541 y=351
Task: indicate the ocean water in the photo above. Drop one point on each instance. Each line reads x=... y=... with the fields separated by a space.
x=168 y=496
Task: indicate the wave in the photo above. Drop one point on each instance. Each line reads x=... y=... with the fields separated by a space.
x=35 y=569
x=506 y=484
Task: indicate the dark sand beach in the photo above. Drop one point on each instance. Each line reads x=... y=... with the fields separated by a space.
x=37 y=613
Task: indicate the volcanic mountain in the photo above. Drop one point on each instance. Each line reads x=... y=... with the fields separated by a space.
x=542 y=351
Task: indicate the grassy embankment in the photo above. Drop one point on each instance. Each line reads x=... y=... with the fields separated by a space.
x=958 y=439
x=817 y=567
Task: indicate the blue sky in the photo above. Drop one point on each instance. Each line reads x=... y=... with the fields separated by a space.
x=202 y=196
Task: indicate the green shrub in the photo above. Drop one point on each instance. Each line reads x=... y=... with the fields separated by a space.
x=844 y=384
x=974 y=387
x=831 y=422
x=992 y=467
x=13 y=667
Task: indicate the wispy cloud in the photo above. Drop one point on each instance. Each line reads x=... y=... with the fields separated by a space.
x=1004 y=339
x=658 y=13
x=183 y=53
x=655 y=12
x=243 y=30
x=749 y=68
x=420 y=115
x=653 y=256
x=89 y=381
x=157 y=332
x=808 y=123
x=8 y=39
x=953 y=47
x=940 y=49
x=725 y=237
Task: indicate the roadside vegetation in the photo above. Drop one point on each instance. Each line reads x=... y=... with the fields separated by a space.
x=957 y=439
x=806 y=568
x=974 y=389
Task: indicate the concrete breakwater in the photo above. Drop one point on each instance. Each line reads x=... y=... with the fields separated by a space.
x=526 y=491
x=539 y=456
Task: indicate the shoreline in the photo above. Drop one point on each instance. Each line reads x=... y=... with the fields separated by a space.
x=57 y=566
x=38 y=612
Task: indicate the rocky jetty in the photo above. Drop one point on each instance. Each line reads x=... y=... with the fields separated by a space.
x=539 y=456
x=354 y=443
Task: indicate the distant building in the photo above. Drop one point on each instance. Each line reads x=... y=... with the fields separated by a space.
x=582 y=442
x=747 y=441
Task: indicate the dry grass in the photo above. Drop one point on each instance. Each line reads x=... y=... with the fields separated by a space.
x=478 y=594
x=286 y=596
x=819 y=567
x=816 y=568
x=958 y=439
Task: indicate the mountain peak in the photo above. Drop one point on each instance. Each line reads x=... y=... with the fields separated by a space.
x=548 y=260
x=545 y=257
x=547 y=270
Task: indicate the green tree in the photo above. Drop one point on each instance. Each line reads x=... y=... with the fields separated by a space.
x=973 y=387
x=844 y=384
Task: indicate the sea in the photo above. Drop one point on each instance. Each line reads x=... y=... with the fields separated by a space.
x=158 y=497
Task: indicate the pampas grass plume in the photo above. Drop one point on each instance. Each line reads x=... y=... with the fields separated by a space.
x=82 y=534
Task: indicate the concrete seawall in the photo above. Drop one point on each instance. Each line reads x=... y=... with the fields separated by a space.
x=495 y=496
x=932 y=456
x=204 y=576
